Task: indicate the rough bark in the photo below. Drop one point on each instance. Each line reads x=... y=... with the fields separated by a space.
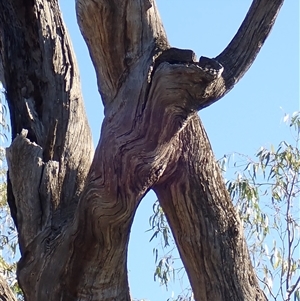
x=73 y=214
x=205 y=225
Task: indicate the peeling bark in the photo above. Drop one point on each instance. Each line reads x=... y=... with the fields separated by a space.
x=74 y=213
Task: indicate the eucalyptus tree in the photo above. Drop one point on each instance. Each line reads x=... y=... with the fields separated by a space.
x=265 y=191
x=73 y=207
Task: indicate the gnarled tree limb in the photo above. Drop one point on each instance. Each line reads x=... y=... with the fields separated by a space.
x=241 y=52
x=43 y=93
x=206 y=226
x=75 y=218
x=120 y=35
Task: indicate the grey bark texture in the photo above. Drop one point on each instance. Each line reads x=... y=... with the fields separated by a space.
x=74 y=208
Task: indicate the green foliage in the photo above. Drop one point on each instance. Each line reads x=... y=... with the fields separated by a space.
x=164 y=265
x=266 y=193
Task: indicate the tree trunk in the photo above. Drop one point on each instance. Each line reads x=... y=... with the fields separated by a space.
x=74 y=213
x=205 y=225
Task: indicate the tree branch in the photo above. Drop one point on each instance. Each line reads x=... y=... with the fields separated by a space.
x=240 y=53
x=224 y=71
x=119 y=34
x=44 y=97
x=205 y=225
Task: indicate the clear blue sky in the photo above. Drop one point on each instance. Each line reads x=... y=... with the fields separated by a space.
x=248 y=117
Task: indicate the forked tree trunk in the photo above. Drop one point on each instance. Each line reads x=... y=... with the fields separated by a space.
x=74 y=212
